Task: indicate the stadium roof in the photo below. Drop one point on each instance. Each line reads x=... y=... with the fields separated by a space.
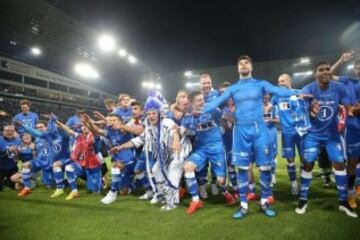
x=63 y=41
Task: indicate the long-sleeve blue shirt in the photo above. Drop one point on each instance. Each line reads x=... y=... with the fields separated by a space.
x=248 y=97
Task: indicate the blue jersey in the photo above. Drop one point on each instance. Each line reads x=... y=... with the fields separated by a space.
x=213 y=94
x=116 y=138
x=352 y=86
x=26 y=153
x=228 y=129
x=248 y=95
x=329 y=100
x=205 y=127
x=269 y=116
x=7 y=159
x=74 y=122
x=284 y=111
x=124 y=113
x=30 y=119
x=48 y=144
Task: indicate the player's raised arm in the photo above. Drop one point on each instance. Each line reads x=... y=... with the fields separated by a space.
x=31 y=131
x=68 y=130
x=92 y=127
x=211 y=106
x=345 y=57
x=281 y=92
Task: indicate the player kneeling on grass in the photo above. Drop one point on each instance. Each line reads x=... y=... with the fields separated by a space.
x=85 y=161
x=122 y=161
x=49 y=147
x=208 y=147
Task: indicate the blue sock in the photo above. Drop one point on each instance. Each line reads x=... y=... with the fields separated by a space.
x=59 y=177
x=341 y=180
x=252 y=188
x=232 y=176
x=192 y=185
x=115 y=179
x=201 y=176
x=213 y=178
x=305 y=182
x=273 y=166
x=144 y=181
x=95 y=179
x=223 y=188
x=243 y=185
x=26 y=174
x=291 y=169
x=357 y=180
x=71 y=177
x=265 y=184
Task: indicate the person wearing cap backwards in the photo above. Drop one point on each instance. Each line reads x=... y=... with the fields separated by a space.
x=251 y=137
x=164 y=155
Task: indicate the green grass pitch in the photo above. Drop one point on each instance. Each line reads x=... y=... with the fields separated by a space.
x=40 y=217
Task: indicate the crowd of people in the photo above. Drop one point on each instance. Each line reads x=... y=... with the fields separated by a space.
x=167 y=149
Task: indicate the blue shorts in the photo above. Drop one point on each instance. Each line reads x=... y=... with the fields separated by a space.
x=290 y=140
x=141 y=162
x=273 y=142
x=214 y=153
x=352 y=137
x=251 y=142
x=125 y=156
x=332 y=143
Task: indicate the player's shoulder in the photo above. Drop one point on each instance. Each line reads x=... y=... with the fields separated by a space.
x=310 y=86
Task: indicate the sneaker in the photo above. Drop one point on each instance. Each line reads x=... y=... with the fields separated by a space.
x=352 y=199
x=266 y=209
x=109 y=198
x=182 y=192
x=72 y=195
x=358 y=190
x=294 y=189
x=214 y=189
x=236 y=196
x=229 y=199
x=58 y=192
x=240 y=213
x=168 y=207
x=147 y=196
x=301 y=208
x=24 y=192
x=344 y=207
x=202 y=191
x=270 y=200
x=251 y=196
x=157 y=198
x=194 y=205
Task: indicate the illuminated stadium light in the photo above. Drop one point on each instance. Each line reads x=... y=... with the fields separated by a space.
x=86 y=71
x=151 y=85
x=107 y=43
x=349 y=67
x=35 y=51
x=191 y=84
x=305 y=60
x=302 y=74
x=158 y=86
x=188 y=74
x=122 y=53
x=132 y=59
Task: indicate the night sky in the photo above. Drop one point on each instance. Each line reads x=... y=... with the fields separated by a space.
x=173 y=36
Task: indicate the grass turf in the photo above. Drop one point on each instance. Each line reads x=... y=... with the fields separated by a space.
x=38 y=216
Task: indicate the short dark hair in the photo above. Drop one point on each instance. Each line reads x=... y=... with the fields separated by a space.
x=357 y=62
x=25 y=102
x=224 y=85
x=42 y=122
x=323 y=62
x=194 y=94
x=108 y=101
x=115 y=115
x=139 y=104
x=80 y=112
x=242 y=57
